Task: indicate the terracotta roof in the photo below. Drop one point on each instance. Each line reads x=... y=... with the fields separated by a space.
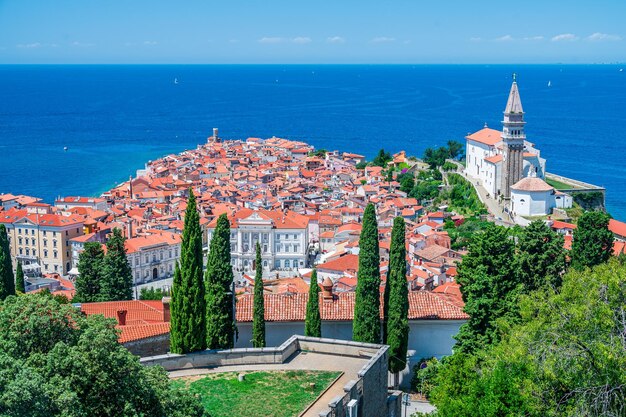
x=617 y=227
x=494 y=159
x=532 y=184
x=486 y=136
x=423 y=305
x=343 y=263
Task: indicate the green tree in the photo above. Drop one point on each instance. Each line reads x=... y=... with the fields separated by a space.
x=366 y=323
x=90 y=272
x=455 y=149
x=593 y=241
x=152 y=294
x=7 y=280
x=56 y=362
x=117 y=276
x=258 y=314
x=490 y=285
x=396 y=305
x=382 y=159
x=407 y=182
x=541 y=256
x=19 y=278
x=565 y=357
x=188 y=305
x=313 y=320
x=220 y=320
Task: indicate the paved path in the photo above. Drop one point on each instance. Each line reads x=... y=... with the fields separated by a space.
x=309 y=361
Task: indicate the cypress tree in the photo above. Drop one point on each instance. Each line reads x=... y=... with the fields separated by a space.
x=117 y=275
x=19 y=278
x=593 y=241
x=220 y=322
x=313 y=320
x=366 y=323
x=7 y=280
x=188 y=305
x=90 y=273
x=258 y=318
x=396 y=327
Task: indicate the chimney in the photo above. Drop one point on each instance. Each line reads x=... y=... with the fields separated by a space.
x=121 y=317
x=327 y=289
x=166 y=309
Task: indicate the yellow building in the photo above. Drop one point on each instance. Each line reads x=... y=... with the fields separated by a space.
x=40 y=240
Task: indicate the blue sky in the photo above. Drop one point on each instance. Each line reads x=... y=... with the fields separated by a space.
x=312 y=31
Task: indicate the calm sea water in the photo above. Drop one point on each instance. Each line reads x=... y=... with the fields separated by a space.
x=115 y=118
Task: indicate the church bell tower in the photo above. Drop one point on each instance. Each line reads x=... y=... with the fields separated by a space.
x=513 y=137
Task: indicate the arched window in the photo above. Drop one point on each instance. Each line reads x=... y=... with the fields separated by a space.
x=287 y=263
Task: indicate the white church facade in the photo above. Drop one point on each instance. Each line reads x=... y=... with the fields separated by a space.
x=509 y=167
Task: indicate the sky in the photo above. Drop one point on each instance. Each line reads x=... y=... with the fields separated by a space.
x=311 y=31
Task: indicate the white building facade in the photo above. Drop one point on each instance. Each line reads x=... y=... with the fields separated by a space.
x=283 y=237
x=153 y=257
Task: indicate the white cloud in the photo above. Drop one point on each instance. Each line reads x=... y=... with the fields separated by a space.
x=301 y=39
x=335 y=39
x=533 y=38
x=29 y=45
x=505 y=38
x=603 y=37
x=150 y=43
x=270 y=39
x=383 y=39
x=564 y=37
x=82 y=44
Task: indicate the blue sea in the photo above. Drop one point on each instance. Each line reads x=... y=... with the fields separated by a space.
x=113 y=119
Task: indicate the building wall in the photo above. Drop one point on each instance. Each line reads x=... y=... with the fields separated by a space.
x=162 y=258
x=528 y=203
x=476 y=152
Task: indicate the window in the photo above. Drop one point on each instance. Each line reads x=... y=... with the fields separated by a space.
x=176 y=252
x=21 y=251
x=265 y=264
x=19 y=231
x=27 y=252
x=32 y=232
x=56 y=268
x=45 y=253
x=161 y=255
x=78 y=230
x=287 y=263
x=34 y=252
x=19 y=239
x=295 y=237
x=55 y=254
x=54 y=243
x=67 y=233
x=44 y=232
x=32 y=241
x=147 y=259
x=45 y=242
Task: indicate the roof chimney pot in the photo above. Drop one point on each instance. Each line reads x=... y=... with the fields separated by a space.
x=121 y=317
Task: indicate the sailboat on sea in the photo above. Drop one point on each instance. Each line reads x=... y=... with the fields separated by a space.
x=549 y=83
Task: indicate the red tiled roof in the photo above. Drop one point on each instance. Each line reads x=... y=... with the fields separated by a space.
x=423 y=305
x=617 y=227
x=486 y=136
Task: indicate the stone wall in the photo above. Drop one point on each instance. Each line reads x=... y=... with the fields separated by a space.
x=151 y=346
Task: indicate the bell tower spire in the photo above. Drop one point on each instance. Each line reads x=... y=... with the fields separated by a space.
x=513 y=137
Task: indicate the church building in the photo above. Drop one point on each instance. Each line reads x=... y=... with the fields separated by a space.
x=503 y=161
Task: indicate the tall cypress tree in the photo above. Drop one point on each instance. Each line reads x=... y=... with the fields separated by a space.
x=219 y=299
x=19 y=278
x=117 y=275
x=188 y=305
x=366 y=323
x=313 y=320
x=396 y=328
x=7 y=280
x=90 y=273
x=258 y=317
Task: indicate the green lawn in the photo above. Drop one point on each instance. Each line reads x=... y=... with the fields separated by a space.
x=559 y=185
x=277 y=393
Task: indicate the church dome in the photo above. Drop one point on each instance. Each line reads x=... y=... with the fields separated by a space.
x=532 y=184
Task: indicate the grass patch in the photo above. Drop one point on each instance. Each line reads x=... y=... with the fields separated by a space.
x=277 y=393
x=559 y=185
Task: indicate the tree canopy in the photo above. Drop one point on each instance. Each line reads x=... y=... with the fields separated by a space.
x=258 y=313
x=593 y=241
x=220 y=320
x=56 y=362
x=7 y=280
x=90 y=272
x=117 y=276
x=366 y=323
x=313 y=321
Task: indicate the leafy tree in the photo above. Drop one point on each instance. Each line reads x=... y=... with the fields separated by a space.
x=366 y=323
x=541 y=256
x=361 y=165
x=152 y=293
x=188 y=305
x=382 y=159
x=90 y=271
x=490 y=285
x=117 y=275
x=407 y=182
x=258 y=314
x=425 y=190
x=396 y=305
x=593 y=241
x=220 y=319
x=565 y=358
x=313 y=320
x=56 y=362
x=19 y=278
x=455 y=149
x=7 y=280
